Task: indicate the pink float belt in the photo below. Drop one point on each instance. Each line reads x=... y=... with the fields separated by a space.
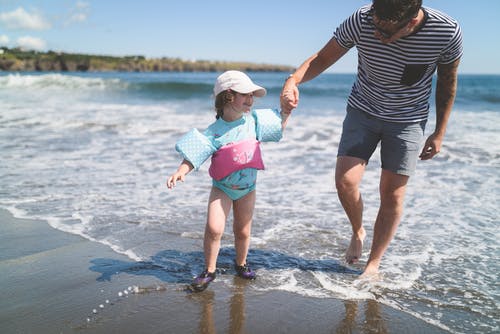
x=233 y=157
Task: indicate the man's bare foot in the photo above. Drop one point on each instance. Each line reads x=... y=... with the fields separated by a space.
x=370 y=273
x=353 y=253
x=367 y=279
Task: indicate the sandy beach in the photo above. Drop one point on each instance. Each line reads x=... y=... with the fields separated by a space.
x=54 y=282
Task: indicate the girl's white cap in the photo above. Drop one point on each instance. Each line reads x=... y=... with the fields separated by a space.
x=239 y=82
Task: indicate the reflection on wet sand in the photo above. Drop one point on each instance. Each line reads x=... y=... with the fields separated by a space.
x=236 y=309
x=207 y=323
x=373 y=322
x=361 y=316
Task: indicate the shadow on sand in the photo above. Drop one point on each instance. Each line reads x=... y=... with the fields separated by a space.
x=172 y=266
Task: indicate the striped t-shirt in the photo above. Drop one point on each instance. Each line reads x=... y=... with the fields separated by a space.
x=394 y=80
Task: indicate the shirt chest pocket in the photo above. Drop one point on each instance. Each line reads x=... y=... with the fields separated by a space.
x=413 y=73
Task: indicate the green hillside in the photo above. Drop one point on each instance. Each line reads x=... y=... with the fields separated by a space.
x=19 y=60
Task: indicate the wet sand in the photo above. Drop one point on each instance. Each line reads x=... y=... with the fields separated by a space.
x=54 y=282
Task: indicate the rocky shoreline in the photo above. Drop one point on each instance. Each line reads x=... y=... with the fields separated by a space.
x=16 y=60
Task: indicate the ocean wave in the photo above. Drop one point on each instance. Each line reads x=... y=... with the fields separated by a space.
x=154 y=86
x=58 y=81
x=481 y=93
x=171 y=89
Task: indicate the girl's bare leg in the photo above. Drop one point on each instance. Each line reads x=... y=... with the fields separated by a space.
x=219 y=205
x=242 y=225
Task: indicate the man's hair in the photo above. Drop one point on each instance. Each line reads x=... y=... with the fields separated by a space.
x=396 y=10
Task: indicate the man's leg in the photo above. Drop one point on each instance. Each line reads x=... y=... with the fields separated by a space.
x=348 y=174
x=392 y=193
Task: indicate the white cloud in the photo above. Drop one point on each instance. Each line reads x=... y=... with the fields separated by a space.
x=79 y=13
x=21 y=19
x=78 y=17
x=31 y=43
x=82 y=5
x=4 y=39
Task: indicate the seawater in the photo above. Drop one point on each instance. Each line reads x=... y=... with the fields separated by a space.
x=90 y=154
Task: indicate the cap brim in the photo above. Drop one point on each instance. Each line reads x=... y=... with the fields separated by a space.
x=256 y=90
x=260 y=92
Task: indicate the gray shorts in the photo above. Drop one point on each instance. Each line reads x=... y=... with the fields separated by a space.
x=399 y=142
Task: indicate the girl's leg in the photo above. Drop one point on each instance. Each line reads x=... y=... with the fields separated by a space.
x=219 y=205
x=242 y=225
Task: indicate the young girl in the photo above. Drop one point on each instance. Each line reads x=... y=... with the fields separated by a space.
x=233 y=143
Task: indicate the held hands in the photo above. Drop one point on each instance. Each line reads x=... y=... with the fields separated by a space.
x=432 y=147
x=289 y=98
x=285 y=115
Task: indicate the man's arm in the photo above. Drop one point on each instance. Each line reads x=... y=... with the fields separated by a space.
x=446 y=89
x=310 y=69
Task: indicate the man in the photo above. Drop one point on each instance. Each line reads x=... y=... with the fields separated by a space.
x=400 y=45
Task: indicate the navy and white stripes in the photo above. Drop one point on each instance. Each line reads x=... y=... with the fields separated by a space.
x=394 y=80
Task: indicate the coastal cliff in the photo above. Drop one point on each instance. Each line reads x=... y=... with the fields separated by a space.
x=19 y=61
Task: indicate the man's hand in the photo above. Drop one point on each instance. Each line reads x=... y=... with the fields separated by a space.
x=432 y=147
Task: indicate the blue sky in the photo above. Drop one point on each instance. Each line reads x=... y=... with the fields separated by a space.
x=272 y=31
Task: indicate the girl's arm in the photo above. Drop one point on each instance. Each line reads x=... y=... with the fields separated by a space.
x=285 y=115
x=184 y=168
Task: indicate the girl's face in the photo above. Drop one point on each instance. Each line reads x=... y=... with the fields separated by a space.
x=242 y=102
